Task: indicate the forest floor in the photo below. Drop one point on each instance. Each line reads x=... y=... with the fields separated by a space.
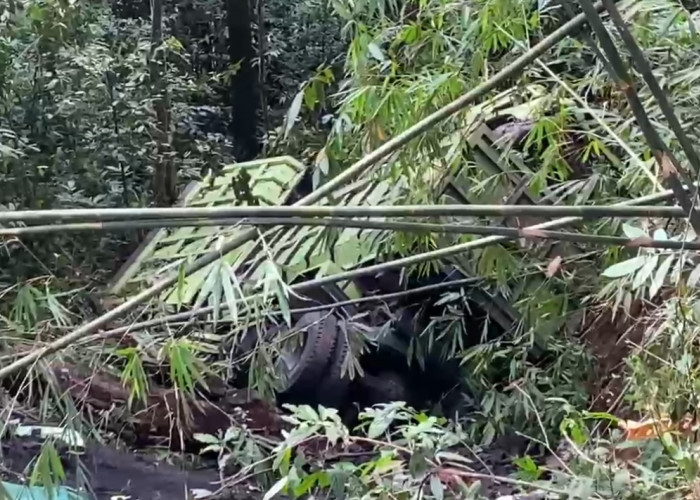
x=151 y=469
x=143 y=474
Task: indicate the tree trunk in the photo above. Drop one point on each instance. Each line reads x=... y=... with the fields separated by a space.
x=244 y=95
x=164 y=171
x=261 y=66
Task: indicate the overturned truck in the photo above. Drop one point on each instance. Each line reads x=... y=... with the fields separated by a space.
x=378 y=334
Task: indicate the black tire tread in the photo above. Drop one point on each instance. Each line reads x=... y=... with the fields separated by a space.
x=321 y=334
x=334 y=387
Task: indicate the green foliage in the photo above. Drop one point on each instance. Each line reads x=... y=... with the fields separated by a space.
x=648 y=272
x=404 y=62
x=47 y=470
x=76 y=114
x=133 y=375
x=186 y=367
x=301 y=36
x=406 y=458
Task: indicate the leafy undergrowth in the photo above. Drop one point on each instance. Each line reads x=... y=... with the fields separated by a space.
x=398 y=453
x=609 y=412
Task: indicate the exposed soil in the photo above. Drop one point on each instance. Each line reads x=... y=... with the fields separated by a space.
x=611 y=338
x=166 y=419
x=113 y=472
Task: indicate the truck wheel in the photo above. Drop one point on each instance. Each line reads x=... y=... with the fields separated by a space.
x=333 y=388
x=303 y=367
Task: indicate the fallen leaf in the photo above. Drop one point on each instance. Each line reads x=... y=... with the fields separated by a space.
x=553 y=266
x=646 y=429
x=667 y=167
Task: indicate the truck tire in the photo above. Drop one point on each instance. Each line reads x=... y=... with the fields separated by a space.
x=311 y=360
x=334 y=387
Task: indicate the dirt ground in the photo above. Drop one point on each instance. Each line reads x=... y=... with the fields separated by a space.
x=111 y=472
x=611 y=339
x=147 y=476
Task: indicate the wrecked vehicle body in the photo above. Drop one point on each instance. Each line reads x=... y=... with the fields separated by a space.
x=376 y=337
x=378 y=318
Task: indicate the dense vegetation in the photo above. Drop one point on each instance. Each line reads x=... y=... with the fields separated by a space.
x=123 y=103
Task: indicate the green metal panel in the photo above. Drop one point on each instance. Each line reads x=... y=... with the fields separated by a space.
x=301 y=249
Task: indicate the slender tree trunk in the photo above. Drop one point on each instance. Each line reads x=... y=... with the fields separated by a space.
x=261 y=69
x=244 y=83
x=164 y=172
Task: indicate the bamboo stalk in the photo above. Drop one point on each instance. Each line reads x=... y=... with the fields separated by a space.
x=185 y=316
x=352 y=172
x=380 y=225
x=243 y=212
x=670 y=168
x=60 y=343
x=640 y=61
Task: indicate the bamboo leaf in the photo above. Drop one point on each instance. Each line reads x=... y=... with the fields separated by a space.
x=208 y=286
x=660 y=276
x=624 y=268
x=660 y=235
x=205 y=438
x=678 y=270
x=293 y=112
x=276 y=488
x=322 y=161
x=633 y=232
x=645 y=272
x=376 y=52
x=56 y=465
x=283 y=303
x=694 y=277
x=436 y=488
x=216 y=291
x=229 y=294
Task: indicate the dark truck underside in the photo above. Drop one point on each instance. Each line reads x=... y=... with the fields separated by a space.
x=314 y=371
